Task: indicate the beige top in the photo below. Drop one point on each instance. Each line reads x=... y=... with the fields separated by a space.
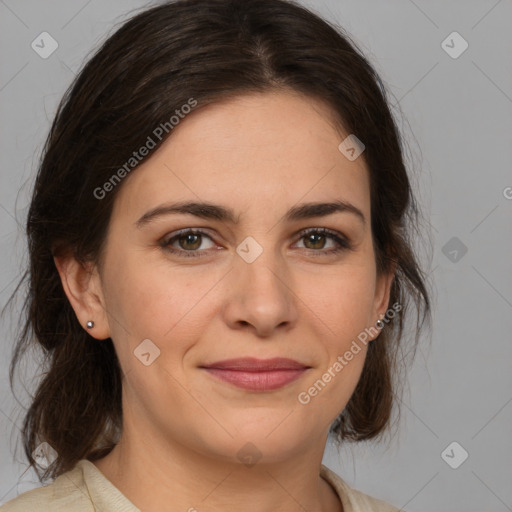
x=86 y=489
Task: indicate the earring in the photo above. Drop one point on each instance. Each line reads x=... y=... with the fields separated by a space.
x=379 y=324
x=90 y=324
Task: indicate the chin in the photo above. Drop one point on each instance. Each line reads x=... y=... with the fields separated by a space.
x=252 y=444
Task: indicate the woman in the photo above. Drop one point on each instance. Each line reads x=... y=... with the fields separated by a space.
x=220 y=267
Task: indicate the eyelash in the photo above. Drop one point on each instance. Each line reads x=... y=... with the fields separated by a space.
x=343 y=243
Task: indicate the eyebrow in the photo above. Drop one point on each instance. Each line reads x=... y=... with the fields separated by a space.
x=212 y=211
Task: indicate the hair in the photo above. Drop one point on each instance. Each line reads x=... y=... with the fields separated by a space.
x=159 y=59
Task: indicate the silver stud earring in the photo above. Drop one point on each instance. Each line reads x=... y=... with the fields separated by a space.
x=90 y=324
x=379 y=324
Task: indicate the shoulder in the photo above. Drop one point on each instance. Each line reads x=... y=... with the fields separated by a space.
x=352 y=499
x=66 y=493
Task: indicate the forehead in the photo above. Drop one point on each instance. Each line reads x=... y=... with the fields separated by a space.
x=248 y=150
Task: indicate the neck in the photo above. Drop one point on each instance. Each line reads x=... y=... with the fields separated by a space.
x=157 y=474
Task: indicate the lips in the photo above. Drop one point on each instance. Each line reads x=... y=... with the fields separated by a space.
x=257 y=374
x=251 y=364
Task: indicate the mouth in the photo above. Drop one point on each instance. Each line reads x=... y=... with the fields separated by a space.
x=257 y=374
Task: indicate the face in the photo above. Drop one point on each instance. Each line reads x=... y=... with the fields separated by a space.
x=255 y=275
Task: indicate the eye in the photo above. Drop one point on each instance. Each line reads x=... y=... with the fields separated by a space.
x=315 y=240
x=189 y=242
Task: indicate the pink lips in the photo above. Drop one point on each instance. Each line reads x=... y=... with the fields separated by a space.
x=257 y=374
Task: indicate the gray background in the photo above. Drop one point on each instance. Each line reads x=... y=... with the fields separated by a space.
x=458 y=123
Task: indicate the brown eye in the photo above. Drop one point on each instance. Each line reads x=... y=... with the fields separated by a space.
x=317 y=241
x=188 y=243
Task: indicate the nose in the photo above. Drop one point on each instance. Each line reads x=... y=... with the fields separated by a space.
x=260 y=296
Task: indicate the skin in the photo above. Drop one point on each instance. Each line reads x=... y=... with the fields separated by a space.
x=259 y=155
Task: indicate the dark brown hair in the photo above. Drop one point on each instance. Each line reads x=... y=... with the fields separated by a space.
x=153 y=64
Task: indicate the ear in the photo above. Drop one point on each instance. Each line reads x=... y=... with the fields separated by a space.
x=82 y=285
x=382 y=294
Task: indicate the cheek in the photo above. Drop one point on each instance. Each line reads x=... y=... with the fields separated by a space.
x=342 y=300
x=163 y=303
